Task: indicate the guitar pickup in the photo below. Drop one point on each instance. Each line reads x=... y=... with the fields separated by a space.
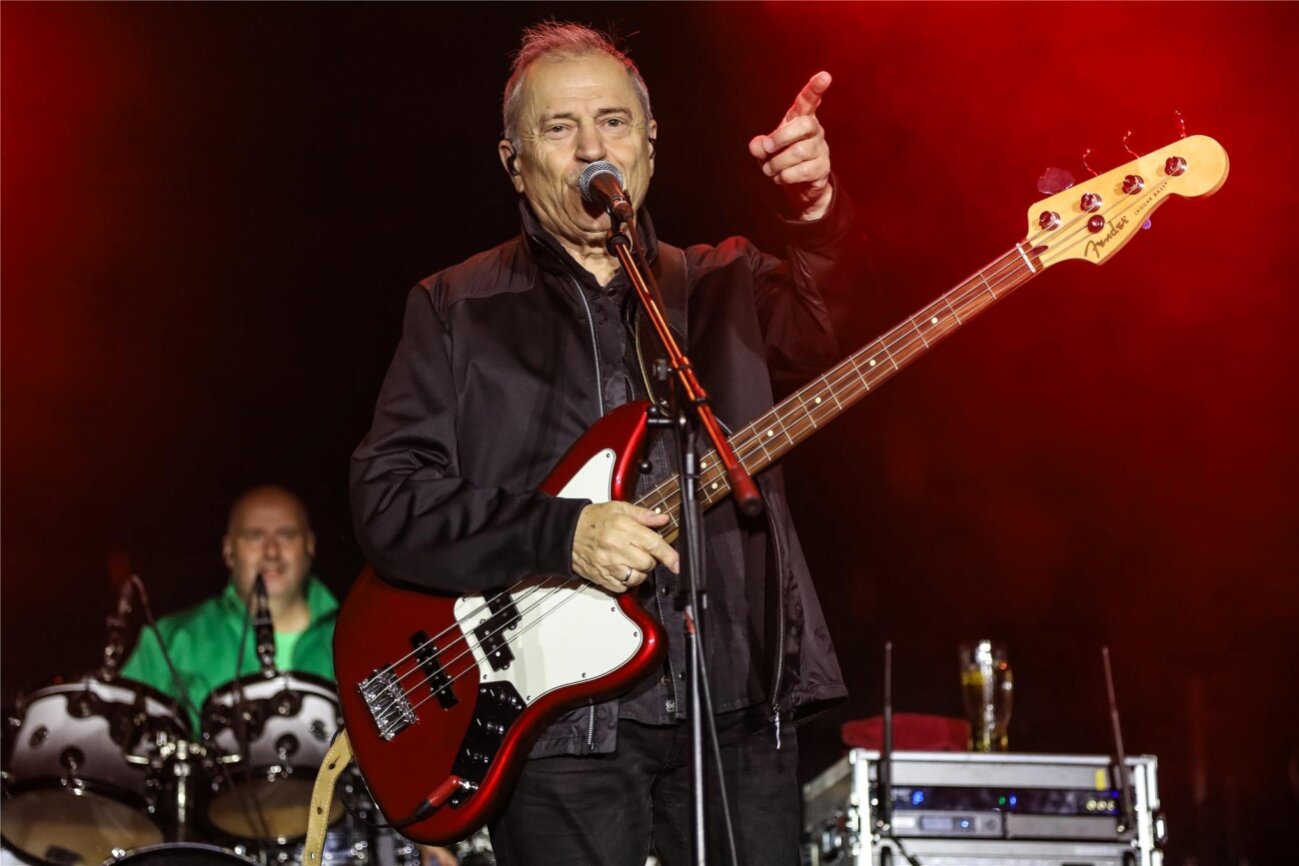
x=388 y=704
x=438 y=681
x=492 y=641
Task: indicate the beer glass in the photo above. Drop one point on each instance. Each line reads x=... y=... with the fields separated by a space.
x=987 y=686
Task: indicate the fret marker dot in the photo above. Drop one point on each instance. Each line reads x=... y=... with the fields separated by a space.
x=934 y=320
x=658 y=510
x=714 y=485
x=872 y=362
x=818 y=401
x=771 y=433
x=703 y=464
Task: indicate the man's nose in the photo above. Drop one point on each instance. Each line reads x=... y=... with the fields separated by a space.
x=271 y=549
x=590 y=144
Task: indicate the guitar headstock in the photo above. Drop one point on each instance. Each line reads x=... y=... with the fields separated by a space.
x=1095 y=218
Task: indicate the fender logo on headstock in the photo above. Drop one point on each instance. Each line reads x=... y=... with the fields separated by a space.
x=1095 y=245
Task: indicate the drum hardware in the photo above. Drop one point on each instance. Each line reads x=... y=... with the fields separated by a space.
x=287 y=719
x=77 y=779
x=179 y=854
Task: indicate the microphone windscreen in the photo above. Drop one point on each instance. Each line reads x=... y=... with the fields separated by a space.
x=589 y=173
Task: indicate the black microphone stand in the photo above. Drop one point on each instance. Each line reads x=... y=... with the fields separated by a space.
x=693 y=412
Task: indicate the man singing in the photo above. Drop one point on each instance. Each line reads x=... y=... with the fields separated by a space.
x=504 y=361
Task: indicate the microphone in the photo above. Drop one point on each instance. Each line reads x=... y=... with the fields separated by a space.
x=115 y=647
x=263 y=628
x=601 y=184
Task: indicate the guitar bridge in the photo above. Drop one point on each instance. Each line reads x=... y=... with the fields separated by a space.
x=388 y=704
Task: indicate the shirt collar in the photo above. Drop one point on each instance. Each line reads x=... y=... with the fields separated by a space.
x=320 y=601
x=550 y=255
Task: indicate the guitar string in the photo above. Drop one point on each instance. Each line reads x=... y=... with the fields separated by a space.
x=403 y=676
x=462 y=625
x=667 y=493
x=473 y=665
x=458 y=622
x=903 y=347
x=405 y=694
x=664 y=486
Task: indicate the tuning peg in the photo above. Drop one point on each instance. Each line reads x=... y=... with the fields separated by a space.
x=1134 y=183
x=1054 y=180
x=1087 y=153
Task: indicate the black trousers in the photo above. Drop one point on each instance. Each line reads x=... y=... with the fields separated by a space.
x=616 y=810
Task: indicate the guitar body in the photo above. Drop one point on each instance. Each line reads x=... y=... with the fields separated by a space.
x=491 y=668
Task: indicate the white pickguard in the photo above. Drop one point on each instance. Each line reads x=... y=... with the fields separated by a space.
x=569 y=630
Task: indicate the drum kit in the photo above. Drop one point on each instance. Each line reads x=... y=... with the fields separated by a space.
x=104 y=770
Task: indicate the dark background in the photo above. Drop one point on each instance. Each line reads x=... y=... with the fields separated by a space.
x=212 y=213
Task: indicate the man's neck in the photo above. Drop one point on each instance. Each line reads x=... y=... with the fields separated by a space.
x=594 y=259
x=290 y=615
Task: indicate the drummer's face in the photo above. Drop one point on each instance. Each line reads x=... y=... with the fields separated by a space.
x=269 y=534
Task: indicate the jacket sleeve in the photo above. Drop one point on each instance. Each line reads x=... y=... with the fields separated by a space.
x=418 y=521
x=793 y=296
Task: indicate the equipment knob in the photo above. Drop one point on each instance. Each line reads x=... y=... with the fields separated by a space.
x=1175 y=165
x=1133 y=183
x=1091 y=202
x=1048 y=220
x=1096 y=223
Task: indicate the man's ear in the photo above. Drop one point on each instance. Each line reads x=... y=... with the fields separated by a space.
x=509 y=160
x=228 y=550
x=653 y=135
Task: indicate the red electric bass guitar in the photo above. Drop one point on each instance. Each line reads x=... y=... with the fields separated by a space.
x=442 y=695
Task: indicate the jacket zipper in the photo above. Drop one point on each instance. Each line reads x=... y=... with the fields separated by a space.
x=599 y=396
x=595 y=345
x=780 y=626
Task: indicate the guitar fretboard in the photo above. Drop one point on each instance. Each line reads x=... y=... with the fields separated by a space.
x=819 y=402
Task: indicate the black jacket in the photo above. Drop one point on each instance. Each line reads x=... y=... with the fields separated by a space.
x=495 y=377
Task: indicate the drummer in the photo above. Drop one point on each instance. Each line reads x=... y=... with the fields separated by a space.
x=268 y=533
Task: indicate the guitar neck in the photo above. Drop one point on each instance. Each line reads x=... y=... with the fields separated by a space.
x=816 y=404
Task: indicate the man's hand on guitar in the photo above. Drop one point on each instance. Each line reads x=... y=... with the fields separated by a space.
x=617 y=545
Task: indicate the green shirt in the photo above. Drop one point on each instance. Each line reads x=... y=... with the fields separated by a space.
x=203 y=642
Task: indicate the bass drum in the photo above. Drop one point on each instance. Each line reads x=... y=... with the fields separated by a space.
x=180 y=854
x=78 y=781
x=274 y=733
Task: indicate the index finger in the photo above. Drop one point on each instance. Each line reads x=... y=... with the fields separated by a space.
x=809 y=98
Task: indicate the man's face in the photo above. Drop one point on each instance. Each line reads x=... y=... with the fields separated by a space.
x=269 y=534
x=576 y=111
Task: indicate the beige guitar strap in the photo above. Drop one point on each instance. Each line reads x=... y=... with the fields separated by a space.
x=322 y=797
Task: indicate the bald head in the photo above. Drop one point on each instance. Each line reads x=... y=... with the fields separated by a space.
x=267 y=493
x=269 y=533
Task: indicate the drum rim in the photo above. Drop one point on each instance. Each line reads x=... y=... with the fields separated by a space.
x=254 y=679
x=62 y=684
x=130 y=799
x=205 y=818
x=181 y=846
